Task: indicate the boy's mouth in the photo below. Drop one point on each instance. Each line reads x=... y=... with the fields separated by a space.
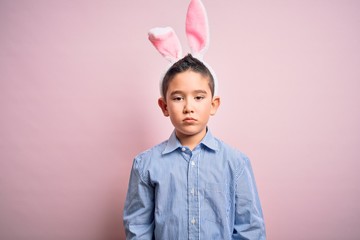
x=189 y=120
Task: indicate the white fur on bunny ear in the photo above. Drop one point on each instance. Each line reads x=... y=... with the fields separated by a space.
x=166 y=42
x=197 y=28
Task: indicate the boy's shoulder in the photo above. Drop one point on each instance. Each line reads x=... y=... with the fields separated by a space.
x=154 y=150
x=150 y=158
x=230 y=150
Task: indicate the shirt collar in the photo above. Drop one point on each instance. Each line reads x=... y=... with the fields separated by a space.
x=209 y=141
x=173 y=143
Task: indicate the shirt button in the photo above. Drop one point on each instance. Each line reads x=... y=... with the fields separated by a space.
x=192 y=163
x=193 y=221
x=183 y=149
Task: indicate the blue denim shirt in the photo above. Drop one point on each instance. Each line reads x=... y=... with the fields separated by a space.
x=207 y=193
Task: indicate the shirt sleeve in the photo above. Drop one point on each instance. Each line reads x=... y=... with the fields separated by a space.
x=249 y=220
x=138 y=213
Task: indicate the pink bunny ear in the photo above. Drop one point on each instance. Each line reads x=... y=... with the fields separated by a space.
x=197 y=28
x=166 y=42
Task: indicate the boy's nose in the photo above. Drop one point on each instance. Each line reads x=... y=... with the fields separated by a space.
x=188 y=108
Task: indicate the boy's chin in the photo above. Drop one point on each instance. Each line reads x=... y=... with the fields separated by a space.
x=190 y=131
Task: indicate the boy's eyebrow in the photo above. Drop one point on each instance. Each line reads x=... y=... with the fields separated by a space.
x=201 y=91
x=181 y=92
x=175 y=92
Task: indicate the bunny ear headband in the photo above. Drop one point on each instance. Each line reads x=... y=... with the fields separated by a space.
x=167 y=43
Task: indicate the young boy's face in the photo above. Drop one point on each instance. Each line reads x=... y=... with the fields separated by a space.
x=189 y=104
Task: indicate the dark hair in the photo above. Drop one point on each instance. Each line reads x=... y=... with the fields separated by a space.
x=183 y=65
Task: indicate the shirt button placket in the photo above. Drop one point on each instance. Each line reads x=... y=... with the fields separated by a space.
x=193 y=200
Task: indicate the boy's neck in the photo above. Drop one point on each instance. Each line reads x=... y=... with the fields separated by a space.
x=190 y=141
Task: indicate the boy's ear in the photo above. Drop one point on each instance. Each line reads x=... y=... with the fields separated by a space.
x=162 y=104
x=215 y=104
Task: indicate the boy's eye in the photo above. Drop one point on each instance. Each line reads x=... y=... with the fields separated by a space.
x=199 y=97
x=177 y=99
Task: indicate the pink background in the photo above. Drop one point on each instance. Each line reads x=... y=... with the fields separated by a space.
x=78 y=93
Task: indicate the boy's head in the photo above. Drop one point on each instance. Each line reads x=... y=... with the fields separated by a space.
x=188 y=99
x=188 y=63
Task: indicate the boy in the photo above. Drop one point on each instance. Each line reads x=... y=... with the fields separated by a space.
x=192 y=186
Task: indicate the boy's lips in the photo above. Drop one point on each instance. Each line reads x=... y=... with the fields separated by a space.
x=189 y=119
